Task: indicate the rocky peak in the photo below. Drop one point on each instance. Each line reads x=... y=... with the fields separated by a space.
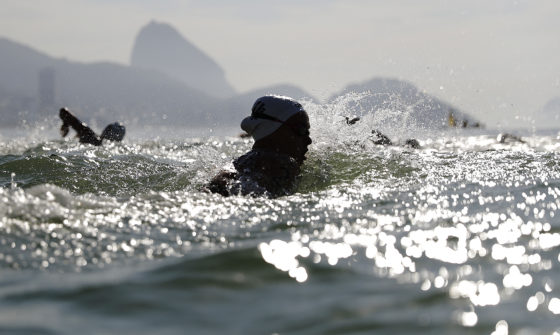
x=159 y=46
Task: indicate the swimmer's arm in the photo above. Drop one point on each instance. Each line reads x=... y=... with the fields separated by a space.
x=84 y=132
x=68 y=119
x=219 y=184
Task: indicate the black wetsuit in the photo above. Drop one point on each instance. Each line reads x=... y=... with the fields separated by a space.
x=84 y=132
x=380 y=139
x=258 y=172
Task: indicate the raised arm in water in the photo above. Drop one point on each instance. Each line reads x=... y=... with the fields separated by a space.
x=85 y=134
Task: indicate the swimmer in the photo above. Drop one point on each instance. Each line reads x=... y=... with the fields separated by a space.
x=351 y=121
x=280 y=127
x=113 y=132
x=509 y=138
x=379 y=138
x=412 y=143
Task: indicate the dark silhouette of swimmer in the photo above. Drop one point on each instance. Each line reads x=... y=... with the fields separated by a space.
x=280 y=127
x=509 y=138
x=113 y=132
x=453 y=122
x=351 y=121
x=412 y=143
x=378 y=138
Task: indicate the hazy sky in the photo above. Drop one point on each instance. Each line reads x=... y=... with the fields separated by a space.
x=495 y=59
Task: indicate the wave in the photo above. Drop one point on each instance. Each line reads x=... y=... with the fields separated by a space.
x=340 y=153
x=136 y=168
x=236 y=286
x=118 y=170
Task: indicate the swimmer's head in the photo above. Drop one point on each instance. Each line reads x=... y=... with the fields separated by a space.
x=412 y=143
x=268 y=114
x=113 y=132
x=279 y=124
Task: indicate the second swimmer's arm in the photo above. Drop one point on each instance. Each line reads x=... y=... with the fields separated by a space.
x=84 y=132
x=68 y=119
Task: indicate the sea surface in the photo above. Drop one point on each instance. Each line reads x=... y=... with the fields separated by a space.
x=461 y=236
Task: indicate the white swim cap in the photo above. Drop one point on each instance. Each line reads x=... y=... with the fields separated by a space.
x=268 y=114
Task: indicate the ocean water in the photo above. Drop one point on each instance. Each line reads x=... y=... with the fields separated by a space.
x=461 y=236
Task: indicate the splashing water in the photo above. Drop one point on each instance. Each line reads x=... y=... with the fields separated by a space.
x=459 y=236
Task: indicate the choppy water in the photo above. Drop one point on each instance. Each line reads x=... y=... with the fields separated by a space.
x=459 y=237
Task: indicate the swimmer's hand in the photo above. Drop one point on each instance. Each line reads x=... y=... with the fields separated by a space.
x=64 y=129
x=66 y=117
x=219 y=184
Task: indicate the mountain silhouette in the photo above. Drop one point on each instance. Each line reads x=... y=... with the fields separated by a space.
x=160 y=47
x=140 y=94
x=398 y=103
x=102 y=91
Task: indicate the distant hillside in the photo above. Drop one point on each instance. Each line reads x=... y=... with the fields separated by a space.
x=397 y=102
x=144 y=95
x=103 y=91
x=160 y=47
x=19 y=67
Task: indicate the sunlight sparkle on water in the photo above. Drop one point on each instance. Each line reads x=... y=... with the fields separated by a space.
x=468 y=319
x=479 y=293
x=534 y=301
x=554 y=305
x=501 y=328
x=283 y=255
x=515 y=279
